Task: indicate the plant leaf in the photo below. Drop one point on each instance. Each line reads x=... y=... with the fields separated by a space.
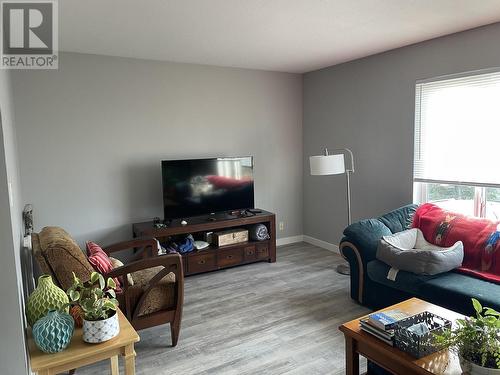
x=94 y=276
x=477 y=306
x=490 y=311
x=102 y=282
x=111 y=283
x=74 y=295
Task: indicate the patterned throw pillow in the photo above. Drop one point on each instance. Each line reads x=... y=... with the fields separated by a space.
x=101 y=261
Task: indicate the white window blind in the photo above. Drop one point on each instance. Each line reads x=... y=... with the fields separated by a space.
x=457 y=130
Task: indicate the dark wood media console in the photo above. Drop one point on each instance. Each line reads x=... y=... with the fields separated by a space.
x=214 y=258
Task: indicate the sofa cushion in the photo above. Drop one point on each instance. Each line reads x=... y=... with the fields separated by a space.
x=454 y=290
x=405 y=281
x=399 y=219
x=63 y=255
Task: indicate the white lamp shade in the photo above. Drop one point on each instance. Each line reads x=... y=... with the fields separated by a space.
x=327 y=164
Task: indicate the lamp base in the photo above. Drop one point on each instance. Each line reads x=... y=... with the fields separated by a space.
x=343 y=269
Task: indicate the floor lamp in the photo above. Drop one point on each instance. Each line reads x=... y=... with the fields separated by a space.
x=325 y=165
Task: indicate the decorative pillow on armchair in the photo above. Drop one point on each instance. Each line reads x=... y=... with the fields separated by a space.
x=101 y=261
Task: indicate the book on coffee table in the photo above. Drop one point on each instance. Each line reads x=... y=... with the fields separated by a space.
x=386 y=320
x=385 y=336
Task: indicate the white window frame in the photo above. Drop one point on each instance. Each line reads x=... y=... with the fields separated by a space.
x=420 y=186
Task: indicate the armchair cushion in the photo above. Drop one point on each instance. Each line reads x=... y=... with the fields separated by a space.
x=160 y=297
x=62 y=255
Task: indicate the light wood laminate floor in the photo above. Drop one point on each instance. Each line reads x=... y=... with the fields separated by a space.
x=262 y=318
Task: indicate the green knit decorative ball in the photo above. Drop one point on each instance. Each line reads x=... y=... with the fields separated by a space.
x=47 y=296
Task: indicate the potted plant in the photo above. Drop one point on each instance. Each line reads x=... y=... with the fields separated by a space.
x=97 y=300
x=476 y=340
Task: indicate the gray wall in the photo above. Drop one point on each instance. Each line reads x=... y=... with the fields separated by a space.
x=12 y=343
x=368 y=105
x=92 y=134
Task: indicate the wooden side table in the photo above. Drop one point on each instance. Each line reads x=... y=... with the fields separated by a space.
x=80 y=353
x=358 y=342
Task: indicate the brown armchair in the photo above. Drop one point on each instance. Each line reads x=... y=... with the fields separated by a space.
x=157 y=294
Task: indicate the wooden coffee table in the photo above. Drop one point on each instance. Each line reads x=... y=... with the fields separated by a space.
x=80 y=353
x=358 y=342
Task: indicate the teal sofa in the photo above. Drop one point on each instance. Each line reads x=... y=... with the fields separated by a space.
x=369 y=283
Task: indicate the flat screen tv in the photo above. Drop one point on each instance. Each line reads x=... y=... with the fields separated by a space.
x=199 y=187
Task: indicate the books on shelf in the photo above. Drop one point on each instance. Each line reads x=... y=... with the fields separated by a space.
x=381 y=324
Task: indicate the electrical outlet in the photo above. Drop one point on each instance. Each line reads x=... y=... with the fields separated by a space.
x=282 y=225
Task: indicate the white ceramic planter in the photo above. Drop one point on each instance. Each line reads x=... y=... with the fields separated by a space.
x=97 y=331
x=470 y=368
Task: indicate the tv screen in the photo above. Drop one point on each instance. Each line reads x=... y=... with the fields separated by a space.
x=204 y=186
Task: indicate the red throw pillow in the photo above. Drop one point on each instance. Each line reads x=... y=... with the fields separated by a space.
x=100 y=260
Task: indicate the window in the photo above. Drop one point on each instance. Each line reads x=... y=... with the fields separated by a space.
x=457 y=143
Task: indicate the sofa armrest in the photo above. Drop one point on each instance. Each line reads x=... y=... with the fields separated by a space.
x=358 y=247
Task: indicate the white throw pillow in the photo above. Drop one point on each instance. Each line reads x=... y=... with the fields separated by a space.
x=118 y=263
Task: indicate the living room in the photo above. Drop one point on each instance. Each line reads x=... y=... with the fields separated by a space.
x=91 y=140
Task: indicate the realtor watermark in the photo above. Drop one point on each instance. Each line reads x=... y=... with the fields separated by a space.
x=29 y=37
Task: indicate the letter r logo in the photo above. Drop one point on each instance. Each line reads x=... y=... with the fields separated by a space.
x=27 y=28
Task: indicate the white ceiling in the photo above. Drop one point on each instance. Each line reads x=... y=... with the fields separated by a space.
x=281 y=35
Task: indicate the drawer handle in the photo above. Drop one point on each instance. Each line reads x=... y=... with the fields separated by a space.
x=229 y=257
x=201 y=261
x=250 y=252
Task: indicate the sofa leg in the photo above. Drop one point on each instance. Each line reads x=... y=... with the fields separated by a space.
x=175 y=328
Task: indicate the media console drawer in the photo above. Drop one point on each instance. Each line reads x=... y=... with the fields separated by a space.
x=249 y=253
x=202 y=262
x=263 y=251
x=229 y=257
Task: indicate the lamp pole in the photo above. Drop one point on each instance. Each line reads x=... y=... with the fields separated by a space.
x=348 y=171
x=344 y=268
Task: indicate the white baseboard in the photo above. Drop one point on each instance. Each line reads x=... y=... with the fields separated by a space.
x=323 y=244
x=289 y=240
x=313 y=241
